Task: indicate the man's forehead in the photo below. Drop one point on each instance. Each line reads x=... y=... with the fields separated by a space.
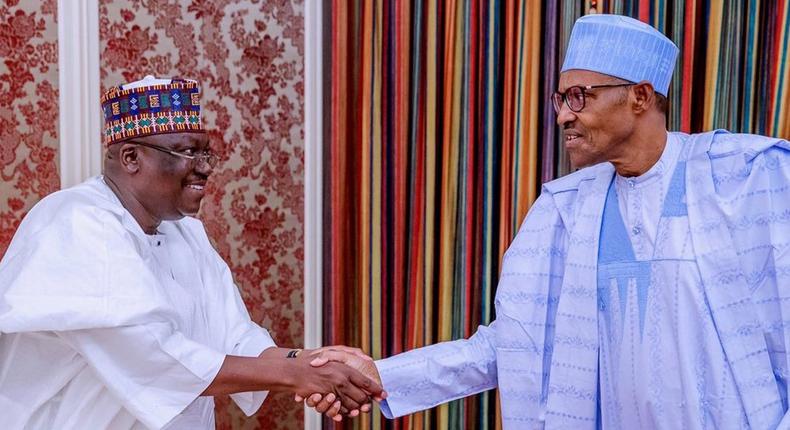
x=576 y=77
x=177 y=139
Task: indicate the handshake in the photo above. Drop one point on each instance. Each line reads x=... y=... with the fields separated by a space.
x=340 y=381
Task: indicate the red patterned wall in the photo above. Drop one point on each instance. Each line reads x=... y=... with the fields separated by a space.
x=28 y=109
x=248 y=55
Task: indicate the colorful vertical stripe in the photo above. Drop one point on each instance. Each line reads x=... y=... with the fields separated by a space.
x=441 y=133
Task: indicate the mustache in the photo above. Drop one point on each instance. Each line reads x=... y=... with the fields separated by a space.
x=197 y=177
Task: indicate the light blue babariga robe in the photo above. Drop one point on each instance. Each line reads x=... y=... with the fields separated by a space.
x=651 y=375
x=712 y=356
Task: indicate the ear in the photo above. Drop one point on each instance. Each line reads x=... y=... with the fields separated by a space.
x=644 y=97
x=129 y=157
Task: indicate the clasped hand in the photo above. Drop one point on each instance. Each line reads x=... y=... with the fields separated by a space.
x=350 y=402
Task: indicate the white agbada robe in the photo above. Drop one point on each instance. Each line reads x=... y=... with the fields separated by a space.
x=551 y=346
x=105 y=327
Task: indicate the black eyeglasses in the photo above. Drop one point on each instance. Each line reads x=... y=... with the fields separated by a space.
x=575 y=97
x=190 y=154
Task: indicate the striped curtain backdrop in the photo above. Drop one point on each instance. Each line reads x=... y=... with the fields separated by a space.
x=439 y=134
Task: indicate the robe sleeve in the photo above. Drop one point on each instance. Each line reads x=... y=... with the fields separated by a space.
x=154 y=371
x=230 y=316
x=744 y=257
x=244 y=338
x=72 y=266
x=76 y=269
x=426 y=377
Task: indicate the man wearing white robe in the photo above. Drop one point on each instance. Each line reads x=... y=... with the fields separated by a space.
x=648 y=290
x=115 y=310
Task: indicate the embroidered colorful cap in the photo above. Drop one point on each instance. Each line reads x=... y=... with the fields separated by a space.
x=623 y=47
x=151 y=106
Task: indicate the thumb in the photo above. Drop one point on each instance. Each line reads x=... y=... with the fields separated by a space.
x=319 y=361
x=327 y=356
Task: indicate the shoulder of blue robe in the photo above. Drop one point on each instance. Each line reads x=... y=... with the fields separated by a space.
x=734 y=156
x=534 y=263
x=77 y=261
x=751 y=179
x=565 y=193
x=528 y=295
x=738 y=199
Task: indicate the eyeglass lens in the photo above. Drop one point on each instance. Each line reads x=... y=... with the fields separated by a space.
x=206 y=157
x=573 y=97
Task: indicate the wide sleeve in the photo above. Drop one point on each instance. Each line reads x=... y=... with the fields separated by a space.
x=154 y=371
x=238 y=333
x=73 y=266
x=244 y=338
x=531 y=275
x=82 y=272
x=426 y=377
x=739 y=215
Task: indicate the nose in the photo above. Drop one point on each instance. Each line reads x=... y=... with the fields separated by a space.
x=203 y=167
x=565 y=115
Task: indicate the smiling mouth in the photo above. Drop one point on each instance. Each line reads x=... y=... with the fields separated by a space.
x=196 y=187
x=572 y=139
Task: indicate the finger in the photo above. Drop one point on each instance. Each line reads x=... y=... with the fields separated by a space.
x=353 y=413
x=352 y=396
x=315 y=353
x=319 y=361
x=313 y=400
x=365 y=408
x=349 y=404
x=368 y=385
x=351 y=350
x=327 y=356
x=341 y=348
x=334 y=409
x=298 y=398
x=381 y=397
x=326 y=403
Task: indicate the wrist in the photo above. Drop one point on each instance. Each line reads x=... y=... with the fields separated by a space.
x=283 y=372
x=277 y=352
x=288 y=371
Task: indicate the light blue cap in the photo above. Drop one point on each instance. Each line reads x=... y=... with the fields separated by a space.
x=623 y=47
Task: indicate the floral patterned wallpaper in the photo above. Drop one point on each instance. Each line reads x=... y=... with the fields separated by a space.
x=28 y=109
x=248 y=55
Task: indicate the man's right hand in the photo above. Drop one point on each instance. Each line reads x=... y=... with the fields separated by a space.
x=273 y=370
x=327 y=403
x=336 y=377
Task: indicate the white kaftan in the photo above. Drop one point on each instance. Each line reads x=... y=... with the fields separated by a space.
x=105 y=327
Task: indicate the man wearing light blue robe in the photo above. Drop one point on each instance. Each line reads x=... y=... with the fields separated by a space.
x=648 y=290
x=574 y=346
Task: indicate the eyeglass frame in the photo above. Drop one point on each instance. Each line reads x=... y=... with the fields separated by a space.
x=583 y=88
x=205 y=156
